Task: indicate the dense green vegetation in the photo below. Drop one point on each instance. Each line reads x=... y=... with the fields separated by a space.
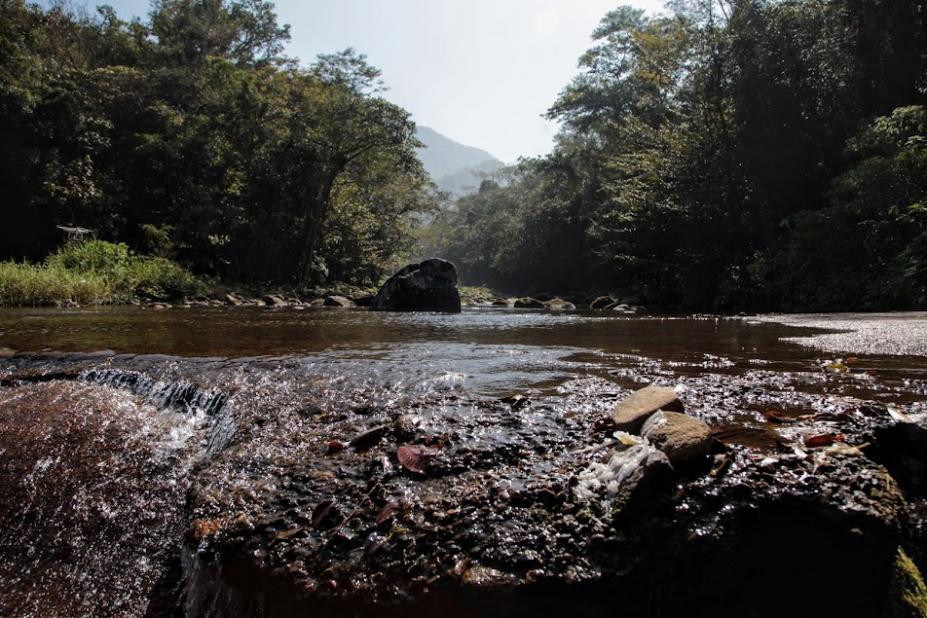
x=95 y=272
x=731 y=154
x=188 y=137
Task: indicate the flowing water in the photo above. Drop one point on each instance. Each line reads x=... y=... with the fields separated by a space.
x=486 y=351
x=107 y=410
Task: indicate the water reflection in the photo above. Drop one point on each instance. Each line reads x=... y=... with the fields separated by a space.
x=487 y=352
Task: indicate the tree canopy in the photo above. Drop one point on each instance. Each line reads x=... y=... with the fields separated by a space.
x=189 y=136
x=728 y=154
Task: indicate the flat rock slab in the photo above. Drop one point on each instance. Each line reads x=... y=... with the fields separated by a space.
x=338 y=301
x=683 y=438
x=528 y=303
x=633 y=411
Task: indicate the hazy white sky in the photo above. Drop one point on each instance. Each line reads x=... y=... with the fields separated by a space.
x=481 y=72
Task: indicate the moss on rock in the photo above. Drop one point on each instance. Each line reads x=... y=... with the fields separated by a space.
x=908 y=593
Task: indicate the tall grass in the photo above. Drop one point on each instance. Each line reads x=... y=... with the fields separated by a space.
x=30 y=284
x=94 y=272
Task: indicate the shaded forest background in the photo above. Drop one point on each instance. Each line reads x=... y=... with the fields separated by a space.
x=742 y=154
x=188 y=136
x=727 y=155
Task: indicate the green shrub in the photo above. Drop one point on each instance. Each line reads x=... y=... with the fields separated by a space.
x=33 y=285
x=159 y=279
x=96 y=256
x=95 y=272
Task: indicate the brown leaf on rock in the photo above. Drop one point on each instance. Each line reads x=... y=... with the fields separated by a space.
x=775 y=416
x=321 y=512
x=369 y=438
x=387 y=511
x=414 y=457
x=824 y=439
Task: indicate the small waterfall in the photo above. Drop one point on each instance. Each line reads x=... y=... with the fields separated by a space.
x=182 y=396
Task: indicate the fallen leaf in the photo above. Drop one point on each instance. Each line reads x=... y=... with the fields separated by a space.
x=386 y=513
x=321 y=511
x=369 y=438
x=824 y=439
x=286 y=534
x=414 y=457
x=774 y=416
x=336 y=446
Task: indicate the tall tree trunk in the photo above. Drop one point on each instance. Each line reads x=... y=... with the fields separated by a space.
x=314 y=224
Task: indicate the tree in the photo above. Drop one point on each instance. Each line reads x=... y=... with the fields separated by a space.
x=244 y=32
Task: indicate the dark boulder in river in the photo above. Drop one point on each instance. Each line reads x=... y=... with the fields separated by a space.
x=428 y=286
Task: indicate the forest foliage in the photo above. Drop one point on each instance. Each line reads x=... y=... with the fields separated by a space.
x=188 y=136
x=727 y=154
x=721 y=155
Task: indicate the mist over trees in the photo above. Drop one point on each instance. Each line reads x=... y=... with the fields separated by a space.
x=189 y=136
x=730 y=154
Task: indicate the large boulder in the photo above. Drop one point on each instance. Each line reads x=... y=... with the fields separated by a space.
x=428 y=286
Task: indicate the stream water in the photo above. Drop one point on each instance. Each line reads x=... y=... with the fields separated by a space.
x=235 y=407
x=485 y=351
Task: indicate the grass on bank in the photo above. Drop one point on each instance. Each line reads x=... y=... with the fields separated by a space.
x=94 y=272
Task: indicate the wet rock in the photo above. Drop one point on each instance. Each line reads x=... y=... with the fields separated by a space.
x=338 y=301
x=902 y=448
x=158 y=305
x=558 y=304
x=91 y=502
x=516 y=402
x=685 y=440
x=428 y=286
x=908 y=593
x=528 y=303
x=233 y=300
x=317 y=302
x=278 y=522
x=634 y=480
x=406 y=425
x=633 y=411
x=364 y=300
x=503 y=302
x=603 y=302
x=274 y=300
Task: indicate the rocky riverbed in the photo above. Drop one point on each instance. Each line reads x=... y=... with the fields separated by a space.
x=382 y=482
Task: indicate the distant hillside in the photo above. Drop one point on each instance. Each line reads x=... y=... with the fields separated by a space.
x=452 y=165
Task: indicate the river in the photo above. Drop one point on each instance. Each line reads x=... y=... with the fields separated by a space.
x=150 y=426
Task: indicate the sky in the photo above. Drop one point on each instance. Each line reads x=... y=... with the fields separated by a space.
x=481 y=72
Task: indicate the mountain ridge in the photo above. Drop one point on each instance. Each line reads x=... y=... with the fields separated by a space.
x=452 y=165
